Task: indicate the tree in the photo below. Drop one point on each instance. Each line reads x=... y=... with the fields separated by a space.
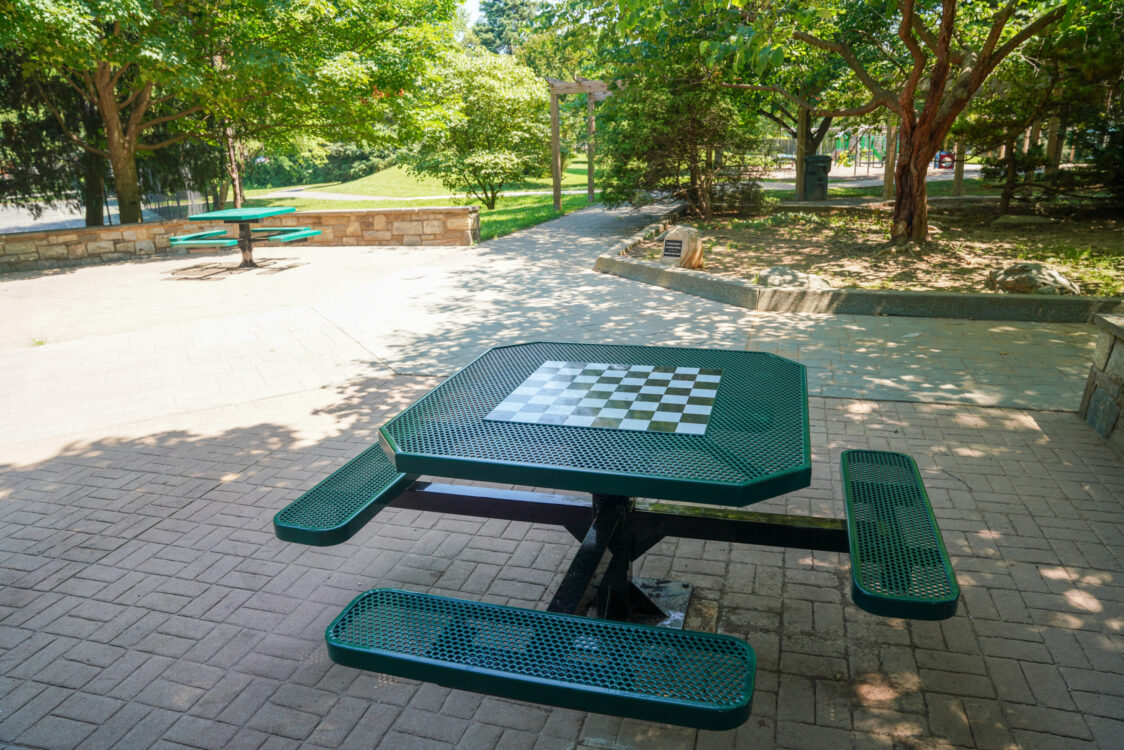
x=505 y=24
x=923 y=61
x=492 y=129
x=147 y=64
x=40 y=165
x=1072 y=80
x=670 y=139
x=950 y=55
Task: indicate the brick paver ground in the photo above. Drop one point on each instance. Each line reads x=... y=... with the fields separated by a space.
x=145 y=602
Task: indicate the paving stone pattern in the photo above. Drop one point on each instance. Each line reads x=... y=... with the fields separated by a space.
x=144 y=601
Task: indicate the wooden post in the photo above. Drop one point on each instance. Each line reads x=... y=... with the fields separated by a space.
x=592 y=129
x=958 y=170
x=803 y=126
x=556 y=152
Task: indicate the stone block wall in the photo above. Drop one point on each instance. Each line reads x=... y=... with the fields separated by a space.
x=1102 y=405
x=445 y=225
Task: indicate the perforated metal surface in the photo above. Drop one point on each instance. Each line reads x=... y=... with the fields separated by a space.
x=898 y=561
x=755 y=447
x=332 y=511
x=698 y=679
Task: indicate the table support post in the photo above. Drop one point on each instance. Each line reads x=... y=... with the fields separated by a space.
x=246 y=245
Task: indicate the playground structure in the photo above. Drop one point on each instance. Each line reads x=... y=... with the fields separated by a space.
x=857 y=147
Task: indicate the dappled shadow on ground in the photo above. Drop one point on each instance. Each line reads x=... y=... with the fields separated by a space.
x=141 y=576
x=538 y=285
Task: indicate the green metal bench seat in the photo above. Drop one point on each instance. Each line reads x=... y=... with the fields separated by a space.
x=301 y=234
x=285 y=234
x=899 y=565
x=656 y=674
x=206 y=239
x=334 y=510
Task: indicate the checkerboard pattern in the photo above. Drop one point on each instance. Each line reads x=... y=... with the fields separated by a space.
x=645 y=398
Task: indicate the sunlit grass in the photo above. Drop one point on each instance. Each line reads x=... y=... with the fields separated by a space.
x=510 y=214
x=398 y=182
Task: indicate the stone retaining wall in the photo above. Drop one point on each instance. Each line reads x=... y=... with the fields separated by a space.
x=973 y=306
x=445 y=225
x=1102 y=404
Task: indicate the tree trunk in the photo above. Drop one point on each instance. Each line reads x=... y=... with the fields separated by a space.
x=1012 y=178
x=1053 y=148
x=122 y=153
x=911 y=211
x=803 y=129
x=233 y=164
x=93 y=189
x=124 y=163
x=1031 y=144
x=958 y=169
x=93 y=167
x=889 y=161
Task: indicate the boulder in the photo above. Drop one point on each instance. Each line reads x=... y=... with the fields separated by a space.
x=682 y=246
x=1030 y=278
x=785 y=276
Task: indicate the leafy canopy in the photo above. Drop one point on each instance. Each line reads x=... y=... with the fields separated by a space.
x=492 y=127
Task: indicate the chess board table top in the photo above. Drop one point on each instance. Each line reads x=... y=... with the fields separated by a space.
x=702 y=425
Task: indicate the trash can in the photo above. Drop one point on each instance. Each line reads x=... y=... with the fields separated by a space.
x=816 y=168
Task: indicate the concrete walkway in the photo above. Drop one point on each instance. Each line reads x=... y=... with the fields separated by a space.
x=152 y=426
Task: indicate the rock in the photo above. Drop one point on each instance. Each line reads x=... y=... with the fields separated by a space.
x=1014 y=220
x=785 y=276
x=1030 y=278
x=682 y=245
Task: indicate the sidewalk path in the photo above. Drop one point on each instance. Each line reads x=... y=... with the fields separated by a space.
x=118 y=343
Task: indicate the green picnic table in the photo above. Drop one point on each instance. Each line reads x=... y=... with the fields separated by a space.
x=634 y=427
x=248 y=235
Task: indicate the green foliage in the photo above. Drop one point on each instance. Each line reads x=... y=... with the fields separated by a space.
x=668 y=129
x=334 y=162
x=252 y=69
x=505 y=24
x=492 y=129
x=39 y=165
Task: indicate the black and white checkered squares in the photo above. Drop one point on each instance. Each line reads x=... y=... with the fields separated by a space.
x=614 y=396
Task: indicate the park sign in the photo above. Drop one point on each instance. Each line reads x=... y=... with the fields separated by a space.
x=682 y=246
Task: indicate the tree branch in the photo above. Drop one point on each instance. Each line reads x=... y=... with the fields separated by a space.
x=136 y=114
x=821 y=131
x=117 y=76
x=909 y=89
x=62 y=124
x=169 y=118
x=787 y=128
x=168 y=142
x=873 y=104
x=956 y=57
x=1049 y=17
x=849 y=56
x=996 y=31
x=939 y=76
x=129 y=99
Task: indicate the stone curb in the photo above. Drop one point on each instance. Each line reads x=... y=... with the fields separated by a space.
x=967 y=305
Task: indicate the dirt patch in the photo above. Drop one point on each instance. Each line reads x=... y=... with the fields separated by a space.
x=852 y=251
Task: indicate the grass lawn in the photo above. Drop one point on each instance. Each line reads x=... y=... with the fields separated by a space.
x=396 y=182
x=509 y=215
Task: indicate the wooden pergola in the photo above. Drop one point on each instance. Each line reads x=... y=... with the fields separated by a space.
x=595 y=91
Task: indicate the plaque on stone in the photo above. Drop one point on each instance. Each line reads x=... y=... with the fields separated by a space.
x=682 y=246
